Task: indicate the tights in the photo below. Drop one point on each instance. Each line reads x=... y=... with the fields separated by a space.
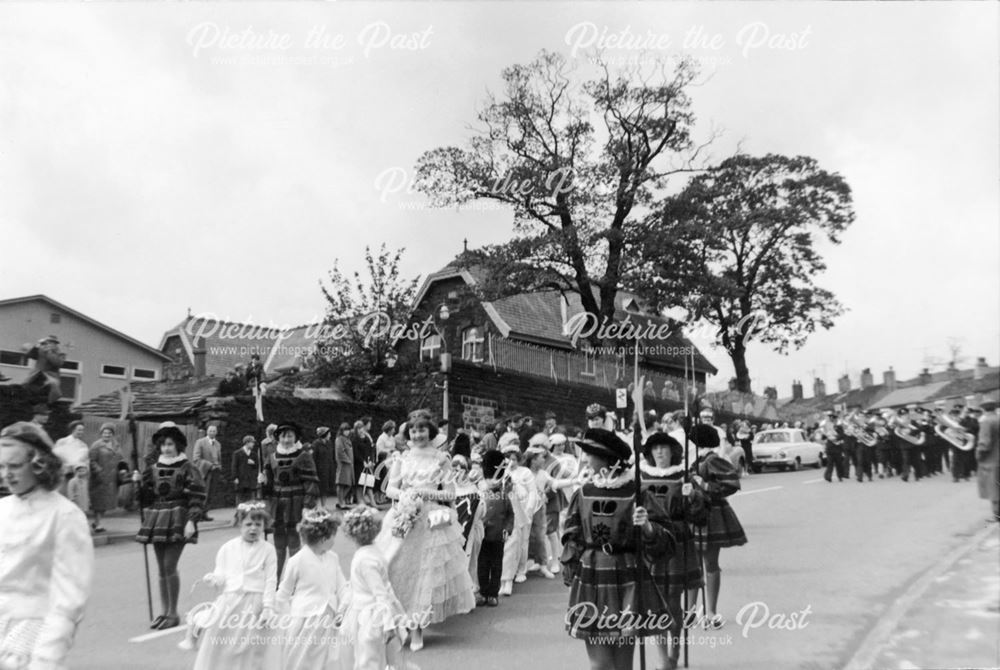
x=284 y=539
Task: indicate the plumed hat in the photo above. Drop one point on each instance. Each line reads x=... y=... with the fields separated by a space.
x=604 y=443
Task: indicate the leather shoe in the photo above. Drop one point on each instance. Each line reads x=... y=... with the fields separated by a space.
x=492 y=601
x=157 y=621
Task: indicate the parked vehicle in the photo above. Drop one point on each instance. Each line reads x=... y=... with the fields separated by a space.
x=785 y=449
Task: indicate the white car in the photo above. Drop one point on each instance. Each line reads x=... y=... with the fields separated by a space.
x=785 y=449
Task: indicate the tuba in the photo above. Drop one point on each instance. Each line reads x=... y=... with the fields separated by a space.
x=866 y=434
x=950 y=430
x=911 y=433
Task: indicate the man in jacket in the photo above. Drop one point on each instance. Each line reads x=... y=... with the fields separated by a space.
x=207 y=458
x=988 y=457
x=245 y=468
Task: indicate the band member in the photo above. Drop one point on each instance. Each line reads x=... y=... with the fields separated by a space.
x=663 y=477
x=292 y=485
x=908 y=436
x=600 y=562
x=173 y=493
x=883 y=448
x=833 y=435
x=863 y=450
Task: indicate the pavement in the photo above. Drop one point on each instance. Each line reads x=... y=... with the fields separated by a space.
x=949 y=618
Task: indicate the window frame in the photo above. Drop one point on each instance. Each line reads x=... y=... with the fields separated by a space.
x=21 y=356
x=589 y=359
x=425 y=351
x=155 y=377
x=109 y=375
x=467 y=341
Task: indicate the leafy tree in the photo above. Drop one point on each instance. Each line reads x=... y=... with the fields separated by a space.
x=352 y=347
x=576 y=159
x=738 y=247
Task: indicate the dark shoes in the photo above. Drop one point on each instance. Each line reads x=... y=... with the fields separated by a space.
x=492 y=601
x=169 y=622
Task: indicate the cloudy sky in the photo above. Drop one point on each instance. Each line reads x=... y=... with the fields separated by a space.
x=220 y=157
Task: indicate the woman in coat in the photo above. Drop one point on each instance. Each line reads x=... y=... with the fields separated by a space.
x=364 y=459
x=104 y=459
x=344 y=453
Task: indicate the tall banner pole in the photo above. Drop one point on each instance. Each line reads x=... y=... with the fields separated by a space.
x=142 y=514
x=637 y=447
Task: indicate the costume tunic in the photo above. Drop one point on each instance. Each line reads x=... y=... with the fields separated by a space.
x=173 y=493
x=683 y=569
x=720 y=481
x=599 y=557
x=294 y=485
x=46 y=566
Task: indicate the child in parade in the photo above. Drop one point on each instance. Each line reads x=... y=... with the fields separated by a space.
x=498 y=524
x=292 y=486
x=75 y=455
x=525 y=500
x=46 y=554
x=375 y=617
x=662 y=468
x=227 y=632
x=719 y=478
x=469 y=509
x=311 y=598
x=545 y=525
x=608 y=525
x=173 y=494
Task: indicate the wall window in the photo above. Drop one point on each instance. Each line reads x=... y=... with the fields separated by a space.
x=143 y=373
x=472 y=344
x=117 y=371
x=70 y=366
x=430 y=348
x=15 y=358
x=589 y=359
x=67 y=386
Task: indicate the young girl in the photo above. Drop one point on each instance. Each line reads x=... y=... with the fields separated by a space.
x=173 y=494
x=375 y=616
x=246 y=571
x=311 y=596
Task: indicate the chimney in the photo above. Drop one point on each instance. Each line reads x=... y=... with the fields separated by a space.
x=867 y=380
x=889 y=379
x=844 y=384
x=796 y=390
x=953 y=372
x=199 y=361
x=819 y=388
x=925 y=377
x=980 y=370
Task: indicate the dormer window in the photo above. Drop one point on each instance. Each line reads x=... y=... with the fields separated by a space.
x=472 y=344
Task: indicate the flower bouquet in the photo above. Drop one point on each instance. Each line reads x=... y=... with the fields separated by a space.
x=406 y=512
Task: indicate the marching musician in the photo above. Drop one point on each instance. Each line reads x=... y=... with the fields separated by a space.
x=959 y=463
x=833 y=435
x=908 y=436
x=970 y=423
x=862 y=450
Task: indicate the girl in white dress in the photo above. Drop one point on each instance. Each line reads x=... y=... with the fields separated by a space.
x=246 y=569
x=375 y=617
x=428 y=568
x=312 y=597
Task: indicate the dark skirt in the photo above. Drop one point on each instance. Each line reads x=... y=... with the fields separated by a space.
x=164 y=522
x=723 y=529
x=684 y=567
x=605 y=587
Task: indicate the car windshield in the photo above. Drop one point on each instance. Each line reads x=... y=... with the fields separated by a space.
x=770 y=438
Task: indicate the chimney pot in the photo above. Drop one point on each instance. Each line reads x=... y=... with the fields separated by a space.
x=889 y=379
x=980 y=370
x=867 y=380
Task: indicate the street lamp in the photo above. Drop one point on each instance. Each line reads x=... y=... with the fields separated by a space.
x=441 y=315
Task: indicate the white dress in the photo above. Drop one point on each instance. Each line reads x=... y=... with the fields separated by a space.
x=313 y=589
x=46 y=567
x=428 y=569
x=75 y=485
x=374 y=611
x=248 y=572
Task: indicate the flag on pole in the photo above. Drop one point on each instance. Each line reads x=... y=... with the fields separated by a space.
x=258 y=402
x=126 y=399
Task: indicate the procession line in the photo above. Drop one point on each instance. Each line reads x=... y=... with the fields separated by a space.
x=769 y=488
x=813 y=481
x=160 y=633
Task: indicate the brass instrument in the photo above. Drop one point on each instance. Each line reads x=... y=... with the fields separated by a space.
x=910 y=432
x=829 y=430
x=866 y=435
x=949 y=429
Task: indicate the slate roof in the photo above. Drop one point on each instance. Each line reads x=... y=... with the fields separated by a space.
x=913 y=394
x=537 y=317
x=156 y=399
